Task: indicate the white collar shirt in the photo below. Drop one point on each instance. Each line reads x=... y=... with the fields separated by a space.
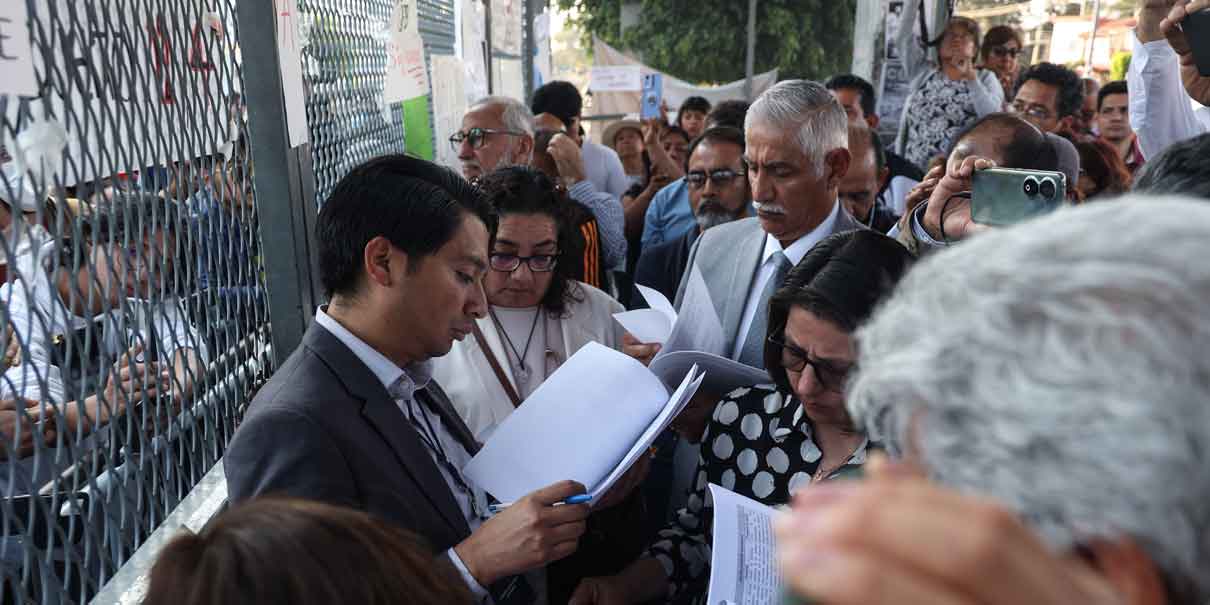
x=794 y=253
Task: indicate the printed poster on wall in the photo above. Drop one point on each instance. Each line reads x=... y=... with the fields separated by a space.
x=407 y=79
x=289 y=56
x=893 y=86
x=449 y=103
x=506 y=27
x=474 y=50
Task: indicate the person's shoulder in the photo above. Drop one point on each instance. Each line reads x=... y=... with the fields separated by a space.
x=303 y=385
x=730 y=232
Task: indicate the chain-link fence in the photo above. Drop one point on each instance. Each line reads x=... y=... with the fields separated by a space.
x=132 y=311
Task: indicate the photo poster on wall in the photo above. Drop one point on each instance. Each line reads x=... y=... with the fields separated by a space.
x=893 y=85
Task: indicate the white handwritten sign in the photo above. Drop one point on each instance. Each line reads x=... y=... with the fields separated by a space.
x=16 y=62
x=406 y=77
x=619 y=78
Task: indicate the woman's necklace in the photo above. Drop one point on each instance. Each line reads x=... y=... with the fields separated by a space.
x=521 y=369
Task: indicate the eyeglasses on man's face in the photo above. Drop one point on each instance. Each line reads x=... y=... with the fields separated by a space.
x=538 y=263
x=1006 y=51
x=477 y=137
x=796 y=360
x=696 y=179
x=1033 y=111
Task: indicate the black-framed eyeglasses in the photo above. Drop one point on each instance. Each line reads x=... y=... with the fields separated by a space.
x=477 y=136
x=538 y=263
x=721 y=178
x=794 y=359
x=1004 y=51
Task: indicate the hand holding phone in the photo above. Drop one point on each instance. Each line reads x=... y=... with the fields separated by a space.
x=1004 y=196
x=653 y=96
x=1196 y=26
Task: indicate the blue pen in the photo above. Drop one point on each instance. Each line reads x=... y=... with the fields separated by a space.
x=577 y=499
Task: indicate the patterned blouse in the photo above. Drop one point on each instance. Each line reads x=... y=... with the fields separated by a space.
x=758 y=444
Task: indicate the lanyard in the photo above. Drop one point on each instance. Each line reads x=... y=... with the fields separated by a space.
x=428 y=434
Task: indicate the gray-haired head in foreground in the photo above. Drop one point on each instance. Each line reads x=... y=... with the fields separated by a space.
x=1183 y=168
x=1061 y=367
x=807 y=108
x=516 y=115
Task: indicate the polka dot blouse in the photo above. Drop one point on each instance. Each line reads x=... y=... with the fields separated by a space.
x=758 y=444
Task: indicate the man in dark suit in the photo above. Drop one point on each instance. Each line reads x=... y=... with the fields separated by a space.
x=352 y=416
x=718 y=194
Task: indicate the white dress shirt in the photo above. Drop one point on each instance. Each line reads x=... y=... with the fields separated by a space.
x=604 y=169
x=764 y=273
x=1161 y=112
x=412 y=379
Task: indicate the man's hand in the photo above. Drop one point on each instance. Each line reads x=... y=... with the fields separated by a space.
x=924 y=189
x=605 y=590
x=1150 y=14
x=653 y=128
x=21 y=425
x=957 y=218
x=129 y=383
x=568 y=158
x=638 y=350
x=527 y=535
x=898 y=540
x=1196 y=85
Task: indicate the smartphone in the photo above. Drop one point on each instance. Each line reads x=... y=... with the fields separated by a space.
x=1197 y=32
x=1005 y=196
x=653 y=96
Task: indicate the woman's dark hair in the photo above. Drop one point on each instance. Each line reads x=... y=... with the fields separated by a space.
x=1101 y=163
x=415 y=204
x=300 y=552
x=999 y=36
x=699 y=104
x=841 y=280
x=523 y=190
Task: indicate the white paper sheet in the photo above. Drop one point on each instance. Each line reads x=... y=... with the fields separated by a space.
x=580 y=424
x=449 y=103
x=743 y=560
x=652 y=325
x=16 y=54
x=722 y=375
x=407 y=77
x=289 y=55
x=698 y=327
x=677 y=403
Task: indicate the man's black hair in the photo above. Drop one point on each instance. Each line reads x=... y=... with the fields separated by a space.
x=718 y=134
x=1071 y=88
x=1113 y=88
x=852 y=82
x=416 y=205
x=728 y=113
x=879 y=151
x=1183 y=168
x=1027 y=148
x=560 y=99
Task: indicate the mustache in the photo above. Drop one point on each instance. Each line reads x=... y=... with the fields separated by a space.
x=769 y=207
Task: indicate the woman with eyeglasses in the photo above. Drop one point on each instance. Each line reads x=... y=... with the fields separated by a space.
x=944 y=96
x=767 y=442
x=538 y=317
x=1001 y=52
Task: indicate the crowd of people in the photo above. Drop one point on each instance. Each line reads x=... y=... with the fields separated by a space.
x=954 y=412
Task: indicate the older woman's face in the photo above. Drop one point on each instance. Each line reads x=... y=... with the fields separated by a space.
x=829 y=354
x=524 y=236
x=958 y=43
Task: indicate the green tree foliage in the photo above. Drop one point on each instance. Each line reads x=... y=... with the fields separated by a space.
x=706 y=40
x=1119 y=64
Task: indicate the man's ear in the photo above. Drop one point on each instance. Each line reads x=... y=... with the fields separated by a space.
x=377 y=259
x=873 y=121
x=525 y=151
x=1128 y=570
x=836 y=165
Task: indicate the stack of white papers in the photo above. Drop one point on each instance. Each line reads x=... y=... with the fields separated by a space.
x=589 y=422
x=743 y=558
x=692 y=337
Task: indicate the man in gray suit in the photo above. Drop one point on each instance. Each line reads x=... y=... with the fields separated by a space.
x=797 y=154
x=352 y=417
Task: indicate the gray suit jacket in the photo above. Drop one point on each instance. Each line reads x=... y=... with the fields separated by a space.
x=728 y=257
x=324 y=428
